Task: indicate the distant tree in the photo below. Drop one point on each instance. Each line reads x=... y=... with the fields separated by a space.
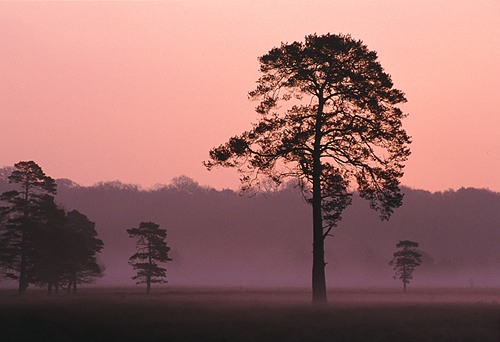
x=184 y=184
x=66 y=183
x=23 y=215
x=117 y=186
x=151 y=249
x=5 y=172
x=405 y=261
x=329 y=119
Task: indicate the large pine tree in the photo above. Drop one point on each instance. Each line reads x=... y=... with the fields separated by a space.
x=330 y=119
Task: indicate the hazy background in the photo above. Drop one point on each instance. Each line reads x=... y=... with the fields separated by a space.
x=219 y=238
x=98 y=91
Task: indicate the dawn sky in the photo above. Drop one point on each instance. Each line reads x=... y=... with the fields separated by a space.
x=139 y=92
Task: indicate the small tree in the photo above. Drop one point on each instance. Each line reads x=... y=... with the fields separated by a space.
x=151 y=249
x=405 y=260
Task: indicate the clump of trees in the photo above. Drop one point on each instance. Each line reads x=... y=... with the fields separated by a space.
x=330 y=120
x=41 y=243
x=151 y=250
x=405 y=260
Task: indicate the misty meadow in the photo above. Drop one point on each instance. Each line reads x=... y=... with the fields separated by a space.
x=321 y=184
x=252 y=315
x=240 y=266
x=220 y=238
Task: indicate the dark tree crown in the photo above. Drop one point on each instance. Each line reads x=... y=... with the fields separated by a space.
x=327 y=106
x=31 y=176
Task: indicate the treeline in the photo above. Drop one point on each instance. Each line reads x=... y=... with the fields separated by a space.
x=221 y=238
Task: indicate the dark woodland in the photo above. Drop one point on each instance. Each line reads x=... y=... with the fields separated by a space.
x=227 y=247
x=219 y=238
x=239 y=266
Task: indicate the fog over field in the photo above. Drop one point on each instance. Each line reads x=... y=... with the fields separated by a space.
x=173 y=314
x=219 y=238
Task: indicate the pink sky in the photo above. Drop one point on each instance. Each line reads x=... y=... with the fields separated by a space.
x=140 y=92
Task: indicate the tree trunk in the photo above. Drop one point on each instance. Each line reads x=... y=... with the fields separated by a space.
x=23 y=283
x=150 y=260
x=404 y=278
x=49 y=288
x=318 y=271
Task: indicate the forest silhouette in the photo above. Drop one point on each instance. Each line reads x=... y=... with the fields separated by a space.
x=220 y=238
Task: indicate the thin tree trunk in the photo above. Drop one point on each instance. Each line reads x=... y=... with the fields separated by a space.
x=22 y=277
x=318 y=271
x=23 y=283
x=404 y=278
x=22 y=269
x=150 y=260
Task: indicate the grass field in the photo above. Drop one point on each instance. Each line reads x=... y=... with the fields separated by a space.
x=176 y=314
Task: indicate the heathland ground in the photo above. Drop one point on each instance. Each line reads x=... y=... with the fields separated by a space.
x=239 y=314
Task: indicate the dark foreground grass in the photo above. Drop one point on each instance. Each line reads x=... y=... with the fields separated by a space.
x=278 y=315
